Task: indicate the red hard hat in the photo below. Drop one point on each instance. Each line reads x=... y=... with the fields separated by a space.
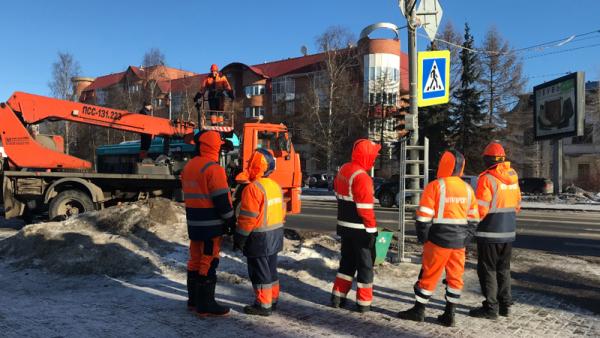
x=214 y=68
x=494 y=149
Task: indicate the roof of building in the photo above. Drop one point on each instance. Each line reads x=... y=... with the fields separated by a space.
x=105 y=81
x=177 y=79
x=161 y=73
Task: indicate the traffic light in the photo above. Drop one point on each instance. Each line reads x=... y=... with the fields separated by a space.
x=403 y=127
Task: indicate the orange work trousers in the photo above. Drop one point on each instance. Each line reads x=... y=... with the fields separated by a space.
x=204 y=256
x=436 y=260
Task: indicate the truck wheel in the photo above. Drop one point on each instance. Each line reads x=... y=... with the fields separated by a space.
x=386 y=199
x=69 y=203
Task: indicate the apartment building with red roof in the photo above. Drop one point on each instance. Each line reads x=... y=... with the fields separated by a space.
x=272 y=91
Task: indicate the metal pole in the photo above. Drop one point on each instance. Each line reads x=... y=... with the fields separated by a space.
x=557 y=167
x=414 y=110
x=401 y=199
x=425 y=161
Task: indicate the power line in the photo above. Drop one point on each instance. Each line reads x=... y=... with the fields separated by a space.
x=562 y=51
x=538 y=47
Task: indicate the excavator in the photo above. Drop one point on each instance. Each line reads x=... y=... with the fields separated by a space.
x=38 y=176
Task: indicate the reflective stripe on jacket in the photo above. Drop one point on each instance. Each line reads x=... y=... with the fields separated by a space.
x=447 y=214
x=261 y=218
x=207 y=198
x=354 y=192
x=498 y=197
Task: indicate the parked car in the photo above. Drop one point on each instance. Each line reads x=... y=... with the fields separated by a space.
x=319 y=181
x=387 y=194
x=536 y=185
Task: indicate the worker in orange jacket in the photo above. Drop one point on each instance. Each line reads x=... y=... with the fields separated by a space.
x=209 y=215
x=259 y=232
x=217 y=85
x=445 y=222
x=499 y=200
x=356 y=225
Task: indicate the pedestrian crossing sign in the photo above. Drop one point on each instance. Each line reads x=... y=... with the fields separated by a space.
x=433 y=78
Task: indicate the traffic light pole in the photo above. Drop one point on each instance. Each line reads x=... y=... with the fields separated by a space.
x=413 y=109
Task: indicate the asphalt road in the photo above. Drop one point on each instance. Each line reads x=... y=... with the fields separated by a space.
x=562 y=232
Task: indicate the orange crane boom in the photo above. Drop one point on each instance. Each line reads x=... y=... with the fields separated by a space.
x=22 y=109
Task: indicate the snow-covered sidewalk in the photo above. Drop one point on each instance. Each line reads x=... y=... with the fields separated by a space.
x=554 y=295
x=37 y=304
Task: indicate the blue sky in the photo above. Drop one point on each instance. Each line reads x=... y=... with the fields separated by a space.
x=106 y=36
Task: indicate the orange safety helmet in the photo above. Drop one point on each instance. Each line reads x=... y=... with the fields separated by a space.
x=214 y=68
x=494 y=149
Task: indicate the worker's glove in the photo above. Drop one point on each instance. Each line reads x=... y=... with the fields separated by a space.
x=230 y=94
x=371 y=239
x=422 y=231
x=239 y=241
x=229 y=226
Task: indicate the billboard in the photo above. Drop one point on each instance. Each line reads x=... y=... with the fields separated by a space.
x=559 y=107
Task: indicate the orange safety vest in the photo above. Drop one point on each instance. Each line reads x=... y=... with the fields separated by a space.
x=207 y=198
x=354 y=193
x=215 y=84
x=499 y=198
x=449 y=204
x=261 y=218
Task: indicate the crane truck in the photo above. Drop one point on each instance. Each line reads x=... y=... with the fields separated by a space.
x=38 y=177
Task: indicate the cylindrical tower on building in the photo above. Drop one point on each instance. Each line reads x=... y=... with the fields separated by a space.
x=79 y=85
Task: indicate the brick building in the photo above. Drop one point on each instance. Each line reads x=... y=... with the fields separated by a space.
x=273 y=91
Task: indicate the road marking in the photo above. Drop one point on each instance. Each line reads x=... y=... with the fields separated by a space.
x=555 y=221
x=593 y=246
x=596 y=230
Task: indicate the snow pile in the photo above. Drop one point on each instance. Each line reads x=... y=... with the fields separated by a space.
x=571 y=195
x=121 y=240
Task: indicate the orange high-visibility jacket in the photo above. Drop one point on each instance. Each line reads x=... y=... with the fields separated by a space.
x=207 y=198
x=447 y=214
x=354 y=190
x=261 y=218
x=215 y=84
x=499 y=200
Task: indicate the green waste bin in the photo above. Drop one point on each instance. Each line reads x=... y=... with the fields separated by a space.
x=382 y=245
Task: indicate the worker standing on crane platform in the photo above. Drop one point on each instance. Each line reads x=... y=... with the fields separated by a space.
x=209 y=214
x=217 y=86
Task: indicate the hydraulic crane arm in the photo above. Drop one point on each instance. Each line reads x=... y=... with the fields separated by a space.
x=23 y=108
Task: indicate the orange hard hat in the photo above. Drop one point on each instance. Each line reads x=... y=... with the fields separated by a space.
x=494 y=149
x=214 y=68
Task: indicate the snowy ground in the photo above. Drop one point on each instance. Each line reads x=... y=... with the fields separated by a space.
x=110 y=299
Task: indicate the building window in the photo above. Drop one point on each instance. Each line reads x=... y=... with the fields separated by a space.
x=101 y=96
x=389 y=99
x=583 y=171
x=388 y=74
x=254 y=112
x=284 y=89
x=587 y=137
x=254 y=90
x=134 y=88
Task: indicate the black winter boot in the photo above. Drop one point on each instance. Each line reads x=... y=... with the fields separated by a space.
x=447 y=318
x=337 y=301
x=416 y=313
x=504 y=310
x=257 y=310
x=192 y=278
x=483 y=312
x=363 y=308
x=206 y=305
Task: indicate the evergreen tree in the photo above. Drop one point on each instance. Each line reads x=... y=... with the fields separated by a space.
x=469 y=133
x=434 y=123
